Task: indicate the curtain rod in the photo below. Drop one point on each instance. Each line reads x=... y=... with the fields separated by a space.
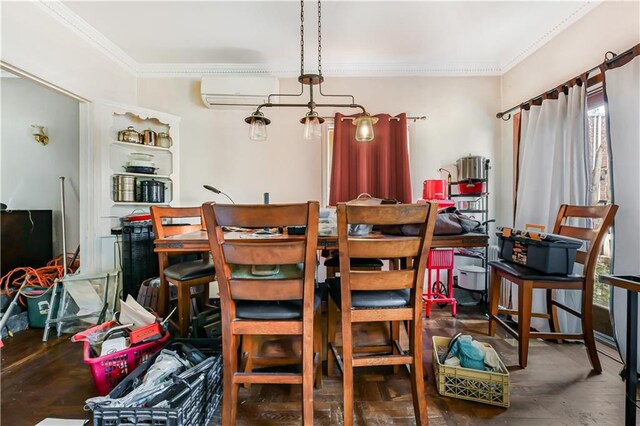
x=422 y=117
x=607 y=64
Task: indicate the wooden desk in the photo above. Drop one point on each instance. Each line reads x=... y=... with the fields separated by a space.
x=631 y=283
x=198 y=242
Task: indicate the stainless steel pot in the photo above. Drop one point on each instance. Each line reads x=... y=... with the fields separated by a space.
x=152 y=191
x=471 y=168
x=129 y=135
x=124 y=188
x=149 y=137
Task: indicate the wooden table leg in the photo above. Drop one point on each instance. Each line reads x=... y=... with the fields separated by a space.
x=163 y=291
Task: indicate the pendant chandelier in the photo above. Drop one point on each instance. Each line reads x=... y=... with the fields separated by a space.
x=312 y=121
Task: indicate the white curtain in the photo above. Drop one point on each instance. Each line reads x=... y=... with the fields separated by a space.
x=623 y=95
x=553 y=171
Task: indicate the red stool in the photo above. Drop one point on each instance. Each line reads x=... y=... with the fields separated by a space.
x=437 y=292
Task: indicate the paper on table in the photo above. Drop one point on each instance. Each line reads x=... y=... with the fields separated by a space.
x=131 y=312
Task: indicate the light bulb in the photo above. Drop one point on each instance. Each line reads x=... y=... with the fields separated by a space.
x=311 y=128
x=364 y=128
x=258 y=130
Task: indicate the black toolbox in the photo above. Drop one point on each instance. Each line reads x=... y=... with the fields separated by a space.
x=546 y=253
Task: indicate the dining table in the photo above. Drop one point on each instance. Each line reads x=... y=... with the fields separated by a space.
x=198 y=242
x=631 y=283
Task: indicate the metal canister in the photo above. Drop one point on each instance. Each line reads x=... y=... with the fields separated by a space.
x=152 y=191
x=124 y=188
x=149 y=137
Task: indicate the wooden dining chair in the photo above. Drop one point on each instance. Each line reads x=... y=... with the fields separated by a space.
x=381 y=296
x=267 y=286
x=168 y=221
x=598 y=219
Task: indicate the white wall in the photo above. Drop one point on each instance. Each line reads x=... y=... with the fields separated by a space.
x=215 y=148
x=40 y=45
x=29 y=170
x=612 y=26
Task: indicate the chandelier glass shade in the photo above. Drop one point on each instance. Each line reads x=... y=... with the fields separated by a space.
x=312 y=121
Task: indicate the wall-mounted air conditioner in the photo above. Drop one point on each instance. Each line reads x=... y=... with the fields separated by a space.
x=244 y=92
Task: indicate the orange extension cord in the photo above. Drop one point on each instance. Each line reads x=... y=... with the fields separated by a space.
x=36 y=277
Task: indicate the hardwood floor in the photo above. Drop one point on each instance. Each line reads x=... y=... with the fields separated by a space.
x=557 y=388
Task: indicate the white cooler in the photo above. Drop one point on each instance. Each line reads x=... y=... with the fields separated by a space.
x=471 y=277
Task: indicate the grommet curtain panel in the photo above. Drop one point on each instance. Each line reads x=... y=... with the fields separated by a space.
x=553 y=171
x=379 y=167
x=622 y=90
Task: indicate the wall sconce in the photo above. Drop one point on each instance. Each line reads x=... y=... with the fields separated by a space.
x=38 y=134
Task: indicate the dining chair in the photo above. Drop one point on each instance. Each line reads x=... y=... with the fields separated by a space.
x=381 y=296
x=168 y=221
x=267 y=286
x=596 y=220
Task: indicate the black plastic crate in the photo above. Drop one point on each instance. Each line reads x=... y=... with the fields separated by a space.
x=547 y=253
x=196 y=401
x=139 y=261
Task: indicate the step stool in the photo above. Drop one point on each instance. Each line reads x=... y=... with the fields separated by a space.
x=439 y=259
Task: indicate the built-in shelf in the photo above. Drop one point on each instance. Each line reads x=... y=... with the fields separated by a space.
x=143 y=175
x=476 y=195
x=137 y=203
x=132 y=145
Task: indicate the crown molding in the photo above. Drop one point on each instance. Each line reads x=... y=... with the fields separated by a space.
x=82 y=28
x=334 y=70
x=64 y=15
x=584 y=8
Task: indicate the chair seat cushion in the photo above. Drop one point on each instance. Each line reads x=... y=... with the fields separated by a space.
x=190 y=270
x=370 y=299
x=334 y=262
x=280 y=310
x=529 y=274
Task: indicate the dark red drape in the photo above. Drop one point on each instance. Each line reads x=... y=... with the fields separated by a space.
x=379 y=167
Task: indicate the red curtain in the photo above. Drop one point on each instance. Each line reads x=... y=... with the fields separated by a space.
x=379 y=167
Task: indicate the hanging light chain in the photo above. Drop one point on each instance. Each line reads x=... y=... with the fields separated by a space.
x=301 y=37
x=319 y=39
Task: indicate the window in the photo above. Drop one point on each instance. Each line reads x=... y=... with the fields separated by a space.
x=600 y=193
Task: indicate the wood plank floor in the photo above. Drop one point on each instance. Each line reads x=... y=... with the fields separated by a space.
x=557 y=388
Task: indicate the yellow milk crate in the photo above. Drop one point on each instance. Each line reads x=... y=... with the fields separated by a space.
x=487 y=387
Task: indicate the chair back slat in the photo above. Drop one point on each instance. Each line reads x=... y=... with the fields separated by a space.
x=390 y=214
x=272 y=253
x=162 y=230
x=293 y=257
x=385 y=247
x=593 y=232
x=269 y=289
x=585 y=234
x=593 y=212
x=411 y=250
x=382 y=280
x=260 y=215
x=581 y=256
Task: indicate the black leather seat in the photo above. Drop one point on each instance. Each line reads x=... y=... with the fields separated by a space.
x=334 y=262
x=370 y=299
x=281 y=310
x=190 y=270
x=525 y=273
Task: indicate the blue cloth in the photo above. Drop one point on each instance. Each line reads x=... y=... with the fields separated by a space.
x=469 y=355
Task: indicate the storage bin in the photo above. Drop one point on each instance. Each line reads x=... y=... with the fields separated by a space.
x=487 y=387
x=195 y=408
x=547 y=253
x=109 y=370
x=471 y=277
x=38 y=305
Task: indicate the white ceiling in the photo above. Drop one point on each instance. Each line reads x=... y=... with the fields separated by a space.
x=358 y=37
